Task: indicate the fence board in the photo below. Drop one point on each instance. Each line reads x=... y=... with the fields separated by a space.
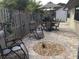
x=19 y=22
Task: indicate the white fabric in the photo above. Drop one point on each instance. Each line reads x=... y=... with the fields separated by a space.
x=6 y=51
x=16 y=48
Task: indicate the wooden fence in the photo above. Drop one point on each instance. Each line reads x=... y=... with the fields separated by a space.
x=16 y=23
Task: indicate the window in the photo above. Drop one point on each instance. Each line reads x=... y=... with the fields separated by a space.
x=77 y=13
x=68 y=15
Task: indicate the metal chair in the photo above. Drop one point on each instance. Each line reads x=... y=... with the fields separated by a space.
x=32 y=26
x=38 y=33
x=18 y=45
x=36 y=30
x=57 y=24
x=5 y=52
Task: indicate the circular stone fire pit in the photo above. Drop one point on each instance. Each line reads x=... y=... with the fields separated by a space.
x=47 y=48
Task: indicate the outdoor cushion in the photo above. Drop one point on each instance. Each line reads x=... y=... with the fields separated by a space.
x=6 y=51
x=16 y=48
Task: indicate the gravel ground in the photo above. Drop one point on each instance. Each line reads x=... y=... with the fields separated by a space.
x=64 y=36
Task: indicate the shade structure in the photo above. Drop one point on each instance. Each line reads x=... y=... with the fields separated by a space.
x=50 y=6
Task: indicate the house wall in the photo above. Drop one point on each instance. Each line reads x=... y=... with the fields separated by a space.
x=71 y=20
x=77 y=27
x=61 y=14
x=73 y=24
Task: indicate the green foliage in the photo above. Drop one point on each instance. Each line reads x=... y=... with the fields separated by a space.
x=21 y=4
x=30 y=5
x=15 y=4
x=33 y=6
x=9 y=3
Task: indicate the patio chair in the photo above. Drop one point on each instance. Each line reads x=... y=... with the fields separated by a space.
x=32 y=26
x=38 y=33
x=14 y=45
x=5 y=52
x=18 y=45
x=57 y=24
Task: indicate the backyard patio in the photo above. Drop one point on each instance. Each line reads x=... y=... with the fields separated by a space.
x=64 y=36
x=59 y=43
x=29 y=30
